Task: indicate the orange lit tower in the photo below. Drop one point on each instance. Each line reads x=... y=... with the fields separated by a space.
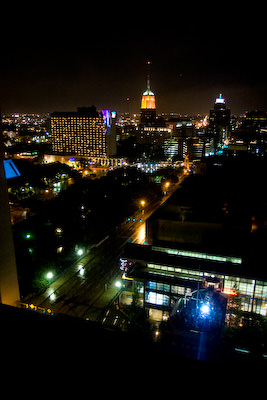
x=148 y=102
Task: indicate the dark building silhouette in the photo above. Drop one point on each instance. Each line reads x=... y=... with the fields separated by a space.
x=219 y=122
x=9 y=287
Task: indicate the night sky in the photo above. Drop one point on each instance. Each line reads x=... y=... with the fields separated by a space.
x=54 y=59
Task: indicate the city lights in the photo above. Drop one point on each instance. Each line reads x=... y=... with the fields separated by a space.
x=150 y=221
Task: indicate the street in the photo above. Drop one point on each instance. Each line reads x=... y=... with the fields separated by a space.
x=88 y=286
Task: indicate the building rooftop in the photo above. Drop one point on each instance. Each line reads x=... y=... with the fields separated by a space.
x=222 y=212
x=86 y=111
x=192 y=260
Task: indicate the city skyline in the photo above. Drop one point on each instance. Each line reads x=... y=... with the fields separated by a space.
x=194 y=57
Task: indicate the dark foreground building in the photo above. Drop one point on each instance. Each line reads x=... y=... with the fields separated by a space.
x=207 y=235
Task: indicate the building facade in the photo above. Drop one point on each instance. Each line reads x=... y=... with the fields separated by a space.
x=162 y=275
x=196 y=240
x=219 y=122
x=148 y=103
x=85 y=133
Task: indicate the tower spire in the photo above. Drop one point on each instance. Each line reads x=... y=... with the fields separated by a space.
x=148 y=98
x=148 y=75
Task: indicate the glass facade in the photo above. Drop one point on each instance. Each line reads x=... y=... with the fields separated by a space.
x=253 y=293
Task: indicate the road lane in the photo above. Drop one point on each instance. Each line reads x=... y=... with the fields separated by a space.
x=85 y=287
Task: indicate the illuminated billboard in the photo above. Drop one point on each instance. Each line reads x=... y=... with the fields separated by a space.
x=107 y=118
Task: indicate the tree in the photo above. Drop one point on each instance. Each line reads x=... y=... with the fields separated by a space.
x=138 y=317
x=233 y=312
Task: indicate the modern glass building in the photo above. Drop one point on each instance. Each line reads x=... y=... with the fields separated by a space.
x=162 y=275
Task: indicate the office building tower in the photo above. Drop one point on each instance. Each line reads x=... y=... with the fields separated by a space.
x=219 y=122
x=152 y=129
x=85 y=133
x=148 y=102
x=250 y=136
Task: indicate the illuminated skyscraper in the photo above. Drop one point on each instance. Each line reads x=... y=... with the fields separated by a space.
x=219 y=121
x=85 y=133
x=148 y=102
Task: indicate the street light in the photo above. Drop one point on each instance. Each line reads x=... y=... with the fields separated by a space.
x=80 y=252
x=143 y=203
x=49 y=275
x=52 y=296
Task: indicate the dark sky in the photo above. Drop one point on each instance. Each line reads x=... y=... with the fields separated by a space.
x=54 y=59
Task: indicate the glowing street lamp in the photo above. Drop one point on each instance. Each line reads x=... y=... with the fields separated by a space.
x=52 y=296
x=49 y=275
x=79 y=252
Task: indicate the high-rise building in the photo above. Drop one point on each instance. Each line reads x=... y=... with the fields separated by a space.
x=85 y=133
x=250 y=136
x=148 y=102
x=152 y=129
x=219 y=121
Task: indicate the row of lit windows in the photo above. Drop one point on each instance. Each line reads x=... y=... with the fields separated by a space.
x=83 y=120
x=253 y=292
x=159 y=294
x=90 y=124
x=194 y=254
x=78 y=140
x=75 y=133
